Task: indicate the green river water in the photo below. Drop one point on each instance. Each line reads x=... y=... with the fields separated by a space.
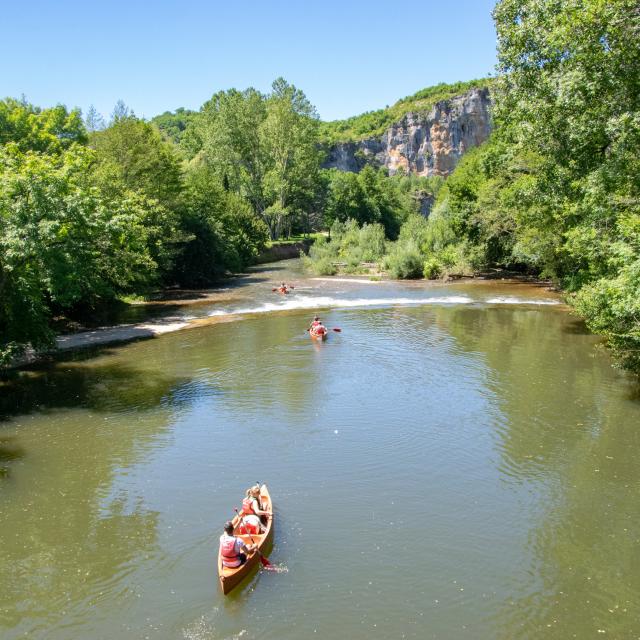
x=461 y=461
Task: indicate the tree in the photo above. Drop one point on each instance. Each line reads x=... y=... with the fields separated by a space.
x=289 y=135
x=264 y=148
x=94 y=120
x=224 y=232
x=131 y=156
x=62 y=242
x=132 y=153
x=568 y=102
x=120 y=112
x=45 y=130
x=229 y=128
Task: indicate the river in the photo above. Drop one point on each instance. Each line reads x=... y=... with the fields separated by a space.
x=460 y=461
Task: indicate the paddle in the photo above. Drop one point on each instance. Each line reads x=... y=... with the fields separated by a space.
x=265 y=561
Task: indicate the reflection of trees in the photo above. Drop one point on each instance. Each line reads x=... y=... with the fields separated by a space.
x=9 y=451
x=68 y=538
x=569 y=427
x=106 y=387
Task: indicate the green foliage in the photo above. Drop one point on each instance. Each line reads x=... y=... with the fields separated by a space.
x=264 y=148
x=372 y=197
x=173 y=125
x=556 y=190
x=374 y=123
x=35 y=129
x=131 y=153
x=62 y=242
x=611 y=305
x=349 y=247
x=404 y=260
x=224 y=233
x=432 y=268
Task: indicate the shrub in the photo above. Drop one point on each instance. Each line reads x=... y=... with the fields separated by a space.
x=405 y=261
x=432 y=268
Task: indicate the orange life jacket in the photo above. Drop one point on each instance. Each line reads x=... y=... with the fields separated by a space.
x=230 y=557
x=247 y=506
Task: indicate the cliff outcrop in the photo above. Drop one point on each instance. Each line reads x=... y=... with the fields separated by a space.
x=426 y=144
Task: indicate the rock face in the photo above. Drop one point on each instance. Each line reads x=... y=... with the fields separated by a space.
x=426 y=144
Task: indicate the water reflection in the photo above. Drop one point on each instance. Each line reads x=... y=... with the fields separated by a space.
x=482 y=452
x=106 y=387
x=569 y=434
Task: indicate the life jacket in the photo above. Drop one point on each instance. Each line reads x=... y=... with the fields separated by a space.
x=230 y=557
x=247 y=506
x=316 y=323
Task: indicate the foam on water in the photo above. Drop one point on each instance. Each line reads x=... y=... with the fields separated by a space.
x=514 y=300
x=318 y=302
x=358 y=280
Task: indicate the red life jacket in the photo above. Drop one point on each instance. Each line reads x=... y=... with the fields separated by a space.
x=228 y=551
x=318 y=330
x=247 y=506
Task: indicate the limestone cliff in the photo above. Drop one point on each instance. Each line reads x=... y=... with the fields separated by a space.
x=427 y=144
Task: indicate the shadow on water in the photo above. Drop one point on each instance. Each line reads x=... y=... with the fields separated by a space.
x=9 y=452
x=98 y=388
x=576 y=327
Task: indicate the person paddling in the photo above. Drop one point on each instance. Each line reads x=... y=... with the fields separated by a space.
x=315 y=323
x=233 y=551
x=251 y=504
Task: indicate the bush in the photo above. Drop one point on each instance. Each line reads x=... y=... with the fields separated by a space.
x=350 y=245
x=405 y=261
x=432 y=269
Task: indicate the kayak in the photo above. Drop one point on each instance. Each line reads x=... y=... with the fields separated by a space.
x=319 y=334
x=230 y=577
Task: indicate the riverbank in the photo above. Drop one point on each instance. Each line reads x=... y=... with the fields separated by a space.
x=285 y=250
x=179 y=309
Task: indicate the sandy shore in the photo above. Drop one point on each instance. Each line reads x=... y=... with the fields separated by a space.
x=121 y=333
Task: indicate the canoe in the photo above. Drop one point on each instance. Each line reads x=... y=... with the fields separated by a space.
x=318 y=336
x=231 y=577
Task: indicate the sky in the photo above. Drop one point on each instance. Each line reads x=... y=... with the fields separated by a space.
x=347 y=56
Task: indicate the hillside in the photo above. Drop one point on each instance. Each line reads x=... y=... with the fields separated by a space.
x=374 y=123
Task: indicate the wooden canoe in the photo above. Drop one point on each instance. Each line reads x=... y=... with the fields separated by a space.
x=231 y=577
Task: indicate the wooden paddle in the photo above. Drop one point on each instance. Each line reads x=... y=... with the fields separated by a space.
x=263 y=559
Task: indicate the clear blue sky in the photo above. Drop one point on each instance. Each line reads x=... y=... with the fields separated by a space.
x=347 y=56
